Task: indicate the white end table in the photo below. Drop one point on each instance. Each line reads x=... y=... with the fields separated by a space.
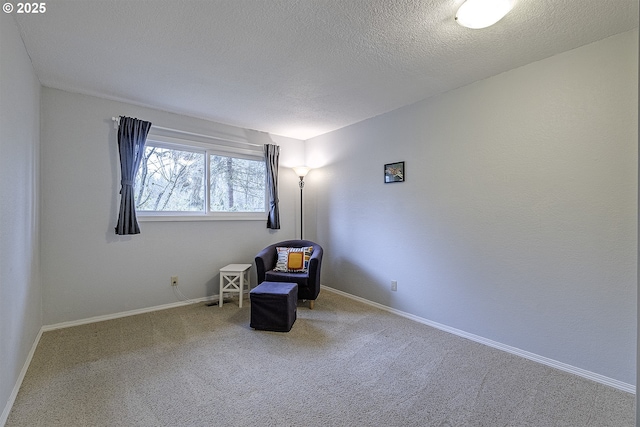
x=232 y=279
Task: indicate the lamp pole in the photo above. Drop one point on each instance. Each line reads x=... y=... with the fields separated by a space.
x=301 y=171
x=301 y=184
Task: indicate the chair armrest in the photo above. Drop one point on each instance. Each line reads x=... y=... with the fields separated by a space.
x=265 y=261
x=315 y=263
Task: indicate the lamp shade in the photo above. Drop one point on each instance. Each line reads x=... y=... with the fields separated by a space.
x=482 y=13
x=301 y=170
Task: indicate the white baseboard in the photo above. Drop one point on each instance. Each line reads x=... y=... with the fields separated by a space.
x=16 y=388
x=509 y=349
x=126 y=313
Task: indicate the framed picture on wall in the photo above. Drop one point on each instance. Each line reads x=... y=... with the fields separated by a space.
x=394 y=172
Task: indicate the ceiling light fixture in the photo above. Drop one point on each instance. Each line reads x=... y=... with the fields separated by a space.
x=482 y=13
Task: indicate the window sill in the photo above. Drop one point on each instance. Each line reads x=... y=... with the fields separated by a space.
x=172 y=217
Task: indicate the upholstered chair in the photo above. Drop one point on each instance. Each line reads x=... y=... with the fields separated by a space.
x=308 y=282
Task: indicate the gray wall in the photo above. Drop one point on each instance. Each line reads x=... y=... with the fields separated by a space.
x=89 y=271
x=20 y=293
x=517 y=221
x=638 y=300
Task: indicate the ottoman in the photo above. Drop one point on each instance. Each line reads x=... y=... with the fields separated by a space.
x=273 y=306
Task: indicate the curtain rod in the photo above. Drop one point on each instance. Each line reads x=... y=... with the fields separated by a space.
x=116 y=122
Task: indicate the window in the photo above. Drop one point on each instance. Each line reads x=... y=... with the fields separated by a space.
x=236 y=185
x=183 y=180
x=170 y=180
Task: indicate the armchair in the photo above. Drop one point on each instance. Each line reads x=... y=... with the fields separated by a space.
x=308 y=283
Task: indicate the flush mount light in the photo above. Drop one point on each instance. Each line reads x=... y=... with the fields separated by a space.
x=482 y=13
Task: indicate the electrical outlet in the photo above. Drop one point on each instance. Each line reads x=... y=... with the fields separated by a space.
x=174 y=280
x=394 y=285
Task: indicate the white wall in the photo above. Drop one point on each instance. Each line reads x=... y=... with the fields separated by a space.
x=89 y=271
x=20 y=293
x=517 y=221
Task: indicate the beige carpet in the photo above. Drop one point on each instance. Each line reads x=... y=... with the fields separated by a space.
x=342 y=364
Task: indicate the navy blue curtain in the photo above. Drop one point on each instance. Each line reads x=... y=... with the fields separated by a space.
x=132 y=134
x=271 y=156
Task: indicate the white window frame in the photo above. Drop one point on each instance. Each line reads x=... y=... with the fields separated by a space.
x=208 y=150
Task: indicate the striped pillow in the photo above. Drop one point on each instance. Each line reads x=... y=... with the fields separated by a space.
x=293 y=260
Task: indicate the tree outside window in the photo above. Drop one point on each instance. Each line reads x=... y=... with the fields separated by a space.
x=173 y=180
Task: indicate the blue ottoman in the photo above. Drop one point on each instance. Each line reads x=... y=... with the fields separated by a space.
x=273 y=306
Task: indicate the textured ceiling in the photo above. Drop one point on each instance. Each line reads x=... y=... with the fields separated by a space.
x=297 y=68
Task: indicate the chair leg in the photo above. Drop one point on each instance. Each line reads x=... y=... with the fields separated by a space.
x=312 y=303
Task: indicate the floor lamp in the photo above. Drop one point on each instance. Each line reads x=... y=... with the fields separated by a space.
x=301 y=171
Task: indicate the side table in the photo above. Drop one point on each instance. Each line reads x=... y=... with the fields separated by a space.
x=232 y=279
